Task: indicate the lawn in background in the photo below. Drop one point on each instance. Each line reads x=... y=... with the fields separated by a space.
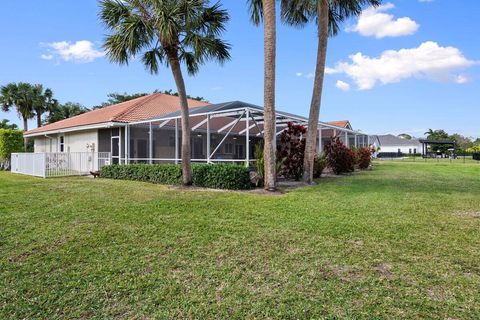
x=399 y=241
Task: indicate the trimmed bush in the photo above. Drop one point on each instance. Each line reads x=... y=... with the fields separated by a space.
x=339 y=158
x=363 y=157
x=156 y=173
x=218 y=176
x=221 y=176
x=10 y=141
x=319 y=165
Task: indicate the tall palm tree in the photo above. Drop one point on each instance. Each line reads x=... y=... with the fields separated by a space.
x=44 y=102
x=168 y=32
x=328 y=14
x=264 y=10
x=21 y=96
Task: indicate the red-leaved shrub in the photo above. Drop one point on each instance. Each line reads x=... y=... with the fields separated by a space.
x=363 y=157
x=339 y=157
x=291 y=151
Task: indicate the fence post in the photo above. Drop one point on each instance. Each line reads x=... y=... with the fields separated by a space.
x=44 y=166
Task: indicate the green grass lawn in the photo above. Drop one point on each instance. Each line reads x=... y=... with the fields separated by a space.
x=400 y=241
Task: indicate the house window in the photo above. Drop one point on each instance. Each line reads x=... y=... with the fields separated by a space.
x=410 y=151
x=61 y=144
x=239 y=151
x=399 y=151
x=415 y=150
x=229 y=148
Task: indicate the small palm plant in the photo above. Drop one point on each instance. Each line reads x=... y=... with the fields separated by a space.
x=169 y=32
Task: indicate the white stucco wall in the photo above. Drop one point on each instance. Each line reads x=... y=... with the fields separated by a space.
x=77 y=141
x=403 y=149
x=74 y=142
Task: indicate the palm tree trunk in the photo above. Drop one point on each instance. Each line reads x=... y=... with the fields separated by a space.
x=39 y=120
x=185 y=121
x=25 y=129
x=269 y=93
x=311 y=143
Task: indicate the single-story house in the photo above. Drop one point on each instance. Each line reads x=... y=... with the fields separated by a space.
x=147 y=129
x=389 y=144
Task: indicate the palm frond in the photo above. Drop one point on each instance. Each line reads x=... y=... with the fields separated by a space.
x=256 y=11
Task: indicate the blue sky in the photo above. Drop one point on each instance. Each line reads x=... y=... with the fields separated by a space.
x=428 y=78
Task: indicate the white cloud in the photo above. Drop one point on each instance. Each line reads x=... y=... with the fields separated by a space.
x=329 y=70
x=47 y=56
x=375 y=22
x=425 y=0
x=79 y=51
x=310 y=75
x=429 y=60
x=461 y=78
x=342 y=85
x=299 y=74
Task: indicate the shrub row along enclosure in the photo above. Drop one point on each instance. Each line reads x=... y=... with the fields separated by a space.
x=217 y=176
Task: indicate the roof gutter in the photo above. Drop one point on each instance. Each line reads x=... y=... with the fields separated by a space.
x=77 y=128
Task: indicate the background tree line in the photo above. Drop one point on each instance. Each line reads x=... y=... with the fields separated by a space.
x=464 y=144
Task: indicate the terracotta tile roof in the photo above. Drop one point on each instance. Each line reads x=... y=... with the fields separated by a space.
x=341 y=123
x=133 y=110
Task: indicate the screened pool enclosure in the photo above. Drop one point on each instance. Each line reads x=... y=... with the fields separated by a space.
x=225 y=132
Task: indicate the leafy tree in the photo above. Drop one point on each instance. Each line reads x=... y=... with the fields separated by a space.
x=4 y=124
x=327 y=14
x=439 y=134
x=264 y=11
x=168 y=32
x=463 y=143
x=10 y=141
x=115 y=97
x=473 y=149
x=405 y=136
x=172 y=93
x=64 y=111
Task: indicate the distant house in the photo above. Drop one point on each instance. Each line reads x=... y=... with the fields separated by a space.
x=391 y=145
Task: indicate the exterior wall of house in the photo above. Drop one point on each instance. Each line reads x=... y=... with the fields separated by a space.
x=72 y=142
x=414 y=148
x=81 y=141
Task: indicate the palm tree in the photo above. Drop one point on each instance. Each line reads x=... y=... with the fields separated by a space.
x=328 y=14
x=22 y=97
x=168 y=32
x=44 y=102
x=265 y=10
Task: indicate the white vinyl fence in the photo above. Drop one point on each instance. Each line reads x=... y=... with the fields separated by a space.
x=58 y=164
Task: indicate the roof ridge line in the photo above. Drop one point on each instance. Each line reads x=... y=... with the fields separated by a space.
x=133 y=106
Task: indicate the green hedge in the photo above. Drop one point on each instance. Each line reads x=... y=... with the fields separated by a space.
x=217 y=176
x=156 y=173
x=10 y=141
